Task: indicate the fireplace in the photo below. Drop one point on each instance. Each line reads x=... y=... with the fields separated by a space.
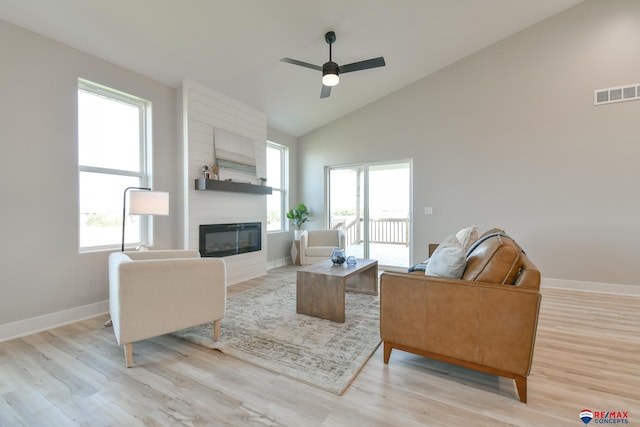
x=220 y=240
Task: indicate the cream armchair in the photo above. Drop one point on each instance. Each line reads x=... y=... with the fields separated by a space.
x=153 y=293
x=316 y=245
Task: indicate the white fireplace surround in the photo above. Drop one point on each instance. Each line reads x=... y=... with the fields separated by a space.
x=204 y=111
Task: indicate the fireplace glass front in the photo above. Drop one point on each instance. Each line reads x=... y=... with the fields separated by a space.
x=220 y=240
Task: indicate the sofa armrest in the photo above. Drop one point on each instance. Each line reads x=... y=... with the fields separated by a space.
x=486 y=324
x=432 y=248
x=158 y=296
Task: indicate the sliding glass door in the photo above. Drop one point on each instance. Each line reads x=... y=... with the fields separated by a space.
x=372 y=204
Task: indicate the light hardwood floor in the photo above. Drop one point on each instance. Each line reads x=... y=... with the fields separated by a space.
x=587 y=356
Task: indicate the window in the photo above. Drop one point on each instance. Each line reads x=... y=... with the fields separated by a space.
x=371 y=203
x=112 y=155
x=276 y=179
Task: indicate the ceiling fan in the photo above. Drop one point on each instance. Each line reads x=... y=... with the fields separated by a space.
x=331 y=71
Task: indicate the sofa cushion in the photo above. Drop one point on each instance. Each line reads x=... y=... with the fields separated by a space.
x=448 y=260
x=324 y=238
x=467 y=236
x=496 y=259
x=319 y=251
x=493 y=231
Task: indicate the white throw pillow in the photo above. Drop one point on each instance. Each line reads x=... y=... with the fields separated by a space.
x=467 y=237
x=448 y=260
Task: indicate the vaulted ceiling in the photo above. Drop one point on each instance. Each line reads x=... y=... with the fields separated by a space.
x=235 y=46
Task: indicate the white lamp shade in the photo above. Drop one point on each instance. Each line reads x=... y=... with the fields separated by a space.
x=330 y=79
x=148 y=203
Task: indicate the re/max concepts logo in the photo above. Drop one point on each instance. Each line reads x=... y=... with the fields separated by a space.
x=604 y=417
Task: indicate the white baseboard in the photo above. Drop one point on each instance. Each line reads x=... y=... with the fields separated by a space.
x=278 y=262
x=576 y=285
x=21 y=328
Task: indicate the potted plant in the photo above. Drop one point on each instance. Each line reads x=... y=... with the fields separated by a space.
x=299 y=215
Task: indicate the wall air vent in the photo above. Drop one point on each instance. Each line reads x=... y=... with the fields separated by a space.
x=616 y=94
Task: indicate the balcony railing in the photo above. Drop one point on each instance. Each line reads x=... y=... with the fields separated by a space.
x=393 y=231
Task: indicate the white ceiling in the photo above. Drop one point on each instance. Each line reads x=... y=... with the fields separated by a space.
x=235 y=46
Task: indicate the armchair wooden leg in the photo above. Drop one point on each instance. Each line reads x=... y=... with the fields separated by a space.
x=387 y=352
x=216 y=330
x=521 y=385
x=128 y=354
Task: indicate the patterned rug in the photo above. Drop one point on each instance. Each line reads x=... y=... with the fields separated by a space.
x=261 y=327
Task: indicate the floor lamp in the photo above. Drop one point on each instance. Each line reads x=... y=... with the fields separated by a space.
x=144 y=202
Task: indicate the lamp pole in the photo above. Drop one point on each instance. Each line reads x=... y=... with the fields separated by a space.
x=124 y=207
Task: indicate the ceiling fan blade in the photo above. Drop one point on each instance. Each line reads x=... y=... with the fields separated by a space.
x=363 y=65
x=325 y=92
x=302 y=64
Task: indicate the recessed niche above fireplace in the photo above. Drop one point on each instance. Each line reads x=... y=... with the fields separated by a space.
x=220 y=240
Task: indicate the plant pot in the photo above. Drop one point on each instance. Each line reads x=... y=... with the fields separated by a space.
x=296 y=234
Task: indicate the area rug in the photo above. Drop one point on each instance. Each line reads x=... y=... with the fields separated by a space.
x=261 y=327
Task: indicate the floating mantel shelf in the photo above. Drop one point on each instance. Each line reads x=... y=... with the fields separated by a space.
x=238 y=187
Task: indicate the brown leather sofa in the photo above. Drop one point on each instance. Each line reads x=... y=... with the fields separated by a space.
x=486 y=320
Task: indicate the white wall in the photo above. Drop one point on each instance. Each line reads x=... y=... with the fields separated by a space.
x=203 y=111
x=41 y=270
x=509 y=137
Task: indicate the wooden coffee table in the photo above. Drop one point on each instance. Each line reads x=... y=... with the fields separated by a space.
x=321 y=287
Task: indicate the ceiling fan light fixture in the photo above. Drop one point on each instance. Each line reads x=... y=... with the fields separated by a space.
x=330 y=74
x=331 y=71
x=330 y=79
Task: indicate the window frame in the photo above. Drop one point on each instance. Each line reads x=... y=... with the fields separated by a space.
x=282 y=185
x=145 y=155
